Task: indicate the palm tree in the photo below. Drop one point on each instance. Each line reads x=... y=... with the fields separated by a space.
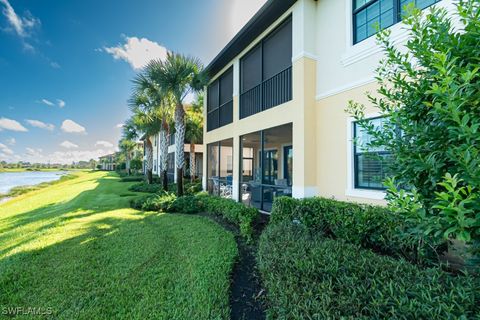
x=160 y=102
x=194 y=131
x=148 y=121
x=127 y=143
x=179 y=75
x=127 y=146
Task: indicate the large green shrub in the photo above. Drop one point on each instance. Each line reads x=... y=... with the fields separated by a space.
x=366 y=225
x=308 y=276
x=232 y=211
x=429 y=95
x=155 y=202
x=187 y=204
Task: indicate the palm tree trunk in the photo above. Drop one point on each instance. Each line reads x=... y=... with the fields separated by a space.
x=149 y=160
x=164 y=154
x=192 y=162
x=179 y=146
x=127 y=163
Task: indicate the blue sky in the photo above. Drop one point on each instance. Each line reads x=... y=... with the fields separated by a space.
x=66 y=66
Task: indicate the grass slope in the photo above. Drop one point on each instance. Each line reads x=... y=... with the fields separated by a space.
x=77 y=248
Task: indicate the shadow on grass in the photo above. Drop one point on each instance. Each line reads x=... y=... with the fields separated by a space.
x=100 y=261
x=106 y=196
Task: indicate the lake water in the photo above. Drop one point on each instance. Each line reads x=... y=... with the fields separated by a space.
x=8 y=180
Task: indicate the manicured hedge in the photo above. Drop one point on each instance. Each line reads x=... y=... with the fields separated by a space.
x=366 y=225
x=155 y=202
x=232 y=211
x=308 y=276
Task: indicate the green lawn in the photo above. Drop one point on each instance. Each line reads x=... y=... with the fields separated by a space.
x=76 y=247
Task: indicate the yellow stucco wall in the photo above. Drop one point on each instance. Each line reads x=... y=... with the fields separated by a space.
x=333 y=141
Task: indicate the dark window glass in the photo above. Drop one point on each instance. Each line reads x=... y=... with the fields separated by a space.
x=220 y=101
x=277 y=51
x=226 y=87
x=371 y=164
x=251 y=66
x=371 y=16
x=213 y=99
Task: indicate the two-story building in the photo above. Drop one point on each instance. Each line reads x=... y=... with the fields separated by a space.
x=275 y=106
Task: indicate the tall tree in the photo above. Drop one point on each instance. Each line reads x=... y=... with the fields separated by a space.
x=160 y=102
x=147 y=120
x=127 y=146
x=179 y=75
x=194 y=131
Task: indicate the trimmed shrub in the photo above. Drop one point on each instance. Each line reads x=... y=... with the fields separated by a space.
x=308 y=276
x=366 y=225
x=232 y=211
x=146 y=188
x=187 y=204
x=189 y=188
x=154 y=202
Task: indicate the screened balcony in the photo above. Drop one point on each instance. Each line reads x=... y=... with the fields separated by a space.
x=266 y=166
x=220 y=101
x=266 y=72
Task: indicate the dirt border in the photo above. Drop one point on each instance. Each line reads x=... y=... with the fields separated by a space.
x=247 y=300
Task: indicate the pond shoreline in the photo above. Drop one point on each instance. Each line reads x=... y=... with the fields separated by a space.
x=22 y=189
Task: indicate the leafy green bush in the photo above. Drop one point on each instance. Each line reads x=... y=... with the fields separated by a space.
x=429 y=95
x=366 y=225
x=232 y=211
x=189 y=188
x=187 y=204
x=154 y=202
x=308 y=276
x=145 y=187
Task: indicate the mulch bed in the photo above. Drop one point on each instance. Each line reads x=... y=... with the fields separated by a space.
x=247 y=299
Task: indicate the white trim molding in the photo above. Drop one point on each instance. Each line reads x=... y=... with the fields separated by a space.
x=304 y=54
x=351 y=191
x=347 y=87
x=301 y=192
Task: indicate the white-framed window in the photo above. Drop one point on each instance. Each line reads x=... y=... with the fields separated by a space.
x=370 y=15
x=367 y=167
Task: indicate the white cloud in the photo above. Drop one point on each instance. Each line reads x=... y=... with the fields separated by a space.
x=120 y=125
x=71 y=126
x=61 y=103
x=48 y=102
x=55 y=65
x=9 y=124
x=137 y=51
x=40 y=124
x=11 y=141
x=5 y=150
x=105 y=144
x=32 y=152
x=68 y=145
x=22 y=25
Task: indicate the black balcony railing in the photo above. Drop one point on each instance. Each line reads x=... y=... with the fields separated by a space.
x=226 y=113
x=221 y=116
x=270 y=93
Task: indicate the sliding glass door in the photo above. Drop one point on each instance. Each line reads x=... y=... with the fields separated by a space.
x=267 y=162
x=220 y=168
